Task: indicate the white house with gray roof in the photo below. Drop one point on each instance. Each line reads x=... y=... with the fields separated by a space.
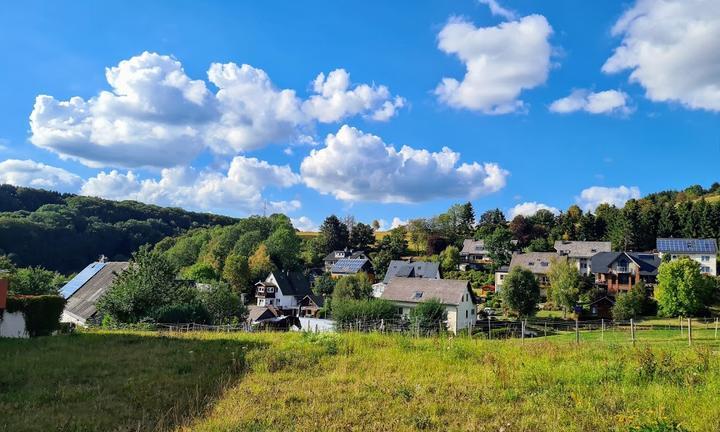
x=704 y=251
x=455 y=295
x=407 y=269
x=581 y=252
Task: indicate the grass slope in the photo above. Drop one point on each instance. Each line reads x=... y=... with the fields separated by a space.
x=277 y=382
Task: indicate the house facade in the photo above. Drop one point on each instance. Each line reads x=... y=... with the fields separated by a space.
x=335 y=256
x=283 y=290
x=536 y=262
x=704 y=251
x=455 y=295
x=474 y=252
x=621 y=271
x=581 y=252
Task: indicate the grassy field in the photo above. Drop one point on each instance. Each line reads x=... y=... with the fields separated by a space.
x=118 y=381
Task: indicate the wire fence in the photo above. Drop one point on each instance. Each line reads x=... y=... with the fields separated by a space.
x=631 y=331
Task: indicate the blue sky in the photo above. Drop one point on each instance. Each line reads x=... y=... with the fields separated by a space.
x=546 y=104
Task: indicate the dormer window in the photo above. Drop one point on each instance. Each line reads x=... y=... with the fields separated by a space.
x=544 y=264
x=270 y=289
x=418 y=295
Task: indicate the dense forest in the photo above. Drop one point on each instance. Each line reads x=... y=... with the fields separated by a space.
x=65 y=232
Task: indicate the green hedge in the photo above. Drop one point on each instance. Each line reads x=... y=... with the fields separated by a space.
x=42 y=313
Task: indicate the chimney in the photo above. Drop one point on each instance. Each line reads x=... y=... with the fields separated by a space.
x=102 y=259
x=4 y=284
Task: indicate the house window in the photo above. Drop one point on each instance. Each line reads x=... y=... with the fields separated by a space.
x=705 y=258
x=466 y=314
x=705 y=269
x=531 y=263
x=261 y=289
x=418 y=295
x=270 y=289
x=400 y=311
x=544 y=264
x=583 y=265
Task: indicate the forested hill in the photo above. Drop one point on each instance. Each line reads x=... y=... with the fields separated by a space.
x=65 y=232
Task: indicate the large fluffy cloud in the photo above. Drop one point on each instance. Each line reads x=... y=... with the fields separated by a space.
x=604 y=102
x=237 y=192
x=356 y=166
x=38 y=175
x=593 y=196
x=335 y=100
x=530 y=208
x=671 y=47
x=501 y=61
x=155 y=115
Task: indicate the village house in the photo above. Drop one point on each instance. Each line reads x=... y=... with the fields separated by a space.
x=620 y=271
x=352 y=267
x=311 y=304
x=474 y=253
x=335 y=256
x=704 y=251
x=406 y=269
x=536 y=262
x=283 y=290
x=84 y=290
x=581 y=252
x=455 y=295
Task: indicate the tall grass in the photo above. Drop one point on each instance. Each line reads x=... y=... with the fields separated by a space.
x=361 y=382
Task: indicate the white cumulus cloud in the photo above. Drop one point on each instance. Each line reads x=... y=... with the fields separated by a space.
x=530 y=208
x=501 y=62
x=237 y=192
x=671 y=49
x=355 y=166
x=335 y=100
x=604 y=102
x=593 y=196
x=29 y=173
x=155 y=115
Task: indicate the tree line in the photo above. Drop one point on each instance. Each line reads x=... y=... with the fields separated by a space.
x=65 y=232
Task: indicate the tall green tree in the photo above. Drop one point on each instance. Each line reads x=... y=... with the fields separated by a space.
x=450 y=259
x=283 y=246
x=682 y=290
x=499 y=246
x=520 y=292
x=565 y=284
x=490 y=221
x=143 y=290
x=260 y=263
x=237 y=273
x=334 y=233
x=362 y=237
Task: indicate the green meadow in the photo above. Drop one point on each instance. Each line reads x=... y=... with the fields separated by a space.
x=136 y=381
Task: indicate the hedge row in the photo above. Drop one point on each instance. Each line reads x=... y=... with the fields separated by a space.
x=42 y=313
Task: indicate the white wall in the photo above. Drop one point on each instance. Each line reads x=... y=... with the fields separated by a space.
x=12 y=325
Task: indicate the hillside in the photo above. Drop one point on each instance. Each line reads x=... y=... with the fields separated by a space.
x=65 y=232
x=125 y=381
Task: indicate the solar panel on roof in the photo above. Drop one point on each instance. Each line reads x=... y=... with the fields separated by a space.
x=81 y=279
x=687 y=245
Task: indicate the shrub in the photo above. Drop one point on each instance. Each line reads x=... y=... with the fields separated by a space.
x=630 y=304
x=428 y=313
x=355 y=287
x=42 y=313
x=200 y=272
x=349 y=310
x=223 y=305
x=194 y=312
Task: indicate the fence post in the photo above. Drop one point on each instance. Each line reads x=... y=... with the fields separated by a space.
x=522 y=331
x=545 y=328
x=680 y=320
x=602 y=329
x=489 y=328
x=577 y=332
x=716 y=327
x=632 y=331
x=689 y=331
